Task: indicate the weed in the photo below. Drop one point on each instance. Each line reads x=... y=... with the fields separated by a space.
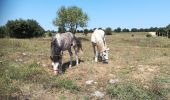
x=148 y=35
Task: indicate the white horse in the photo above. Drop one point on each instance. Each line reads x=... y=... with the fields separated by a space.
x=99 y=45
x=60 y=43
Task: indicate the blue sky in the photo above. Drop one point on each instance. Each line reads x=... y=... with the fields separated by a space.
x=102 y=13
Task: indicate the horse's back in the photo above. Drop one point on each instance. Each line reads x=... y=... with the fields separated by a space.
x=64 y=40
x=97 y=36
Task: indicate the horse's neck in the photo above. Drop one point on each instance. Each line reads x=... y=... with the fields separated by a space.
x=100 y=46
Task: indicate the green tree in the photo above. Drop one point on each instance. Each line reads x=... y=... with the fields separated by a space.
x=117 y=30
x=152 y=29
x=167 y=28
x=70 y=18
x=24 y=28
x=160 y=31
x=134 y=30
x=86 y=31
x=125 y=30
x=108 y=31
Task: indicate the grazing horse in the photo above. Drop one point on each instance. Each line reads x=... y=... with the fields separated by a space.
x=99 y=45
x=60 y=43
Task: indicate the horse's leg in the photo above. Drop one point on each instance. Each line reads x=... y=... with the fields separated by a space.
x=77 y=57
x=104 y=42
x=96 y=57
x=71 y=54
x=95 y=51
x=60 y=63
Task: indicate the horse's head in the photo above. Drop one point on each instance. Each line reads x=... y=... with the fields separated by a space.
x=56 y=62
x=56 y=56
x=105 y=56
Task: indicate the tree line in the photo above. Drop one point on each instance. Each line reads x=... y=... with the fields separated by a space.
x=109 y=30
x=29 y=28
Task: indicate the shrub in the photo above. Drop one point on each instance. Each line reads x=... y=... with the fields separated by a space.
x=86 y=31
x=148 y=35
x=132 y=35
x=24 y=28
x=108 y=31
x=48 y=34
x=3 y=32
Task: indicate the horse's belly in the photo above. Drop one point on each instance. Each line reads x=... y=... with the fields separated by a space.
x=66 y=47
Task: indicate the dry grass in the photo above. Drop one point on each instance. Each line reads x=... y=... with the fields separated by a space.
x=140 y=60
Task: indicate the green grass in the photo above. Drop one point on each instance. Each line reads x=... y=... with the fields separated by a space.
x=135 y=91
x=18 y=72
x=67 y=84
x=12 y=77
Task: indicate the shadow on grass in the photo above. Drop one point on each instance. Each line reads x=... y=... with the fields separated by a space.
x=65 y=65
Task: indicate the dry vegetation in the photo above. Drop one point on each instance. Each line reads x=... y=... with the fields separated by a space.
x=138 y=69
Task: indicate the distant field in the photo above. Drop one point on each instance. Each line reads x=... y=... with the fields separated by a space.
x=139 y=68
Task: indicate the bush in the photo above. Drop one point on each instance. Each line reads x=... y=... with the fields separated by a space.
x=48 y=34
x=108 y=31
x=148 y=35
x=132 y=35
x=86 y=31
x=3 y=32
x=24 y=28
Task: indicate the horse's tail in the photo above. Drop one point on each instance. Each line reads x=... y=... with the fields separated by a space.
x=78 y=45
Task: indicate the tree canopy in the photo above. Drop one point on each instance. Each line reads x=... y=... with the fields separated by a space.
x=70 y=18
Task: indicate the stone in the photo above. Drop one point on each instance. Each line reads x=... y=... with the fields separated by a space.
x=112 y=81
x=89 y=82
x=98 y=94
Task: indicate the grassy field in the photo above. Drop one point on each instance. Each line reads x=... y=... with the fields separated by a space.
x=138 y=69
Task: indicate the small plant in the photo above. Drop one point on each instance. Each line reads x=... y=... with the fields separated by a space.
x=132 y=35
x=67 y=84
x=148 y=35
